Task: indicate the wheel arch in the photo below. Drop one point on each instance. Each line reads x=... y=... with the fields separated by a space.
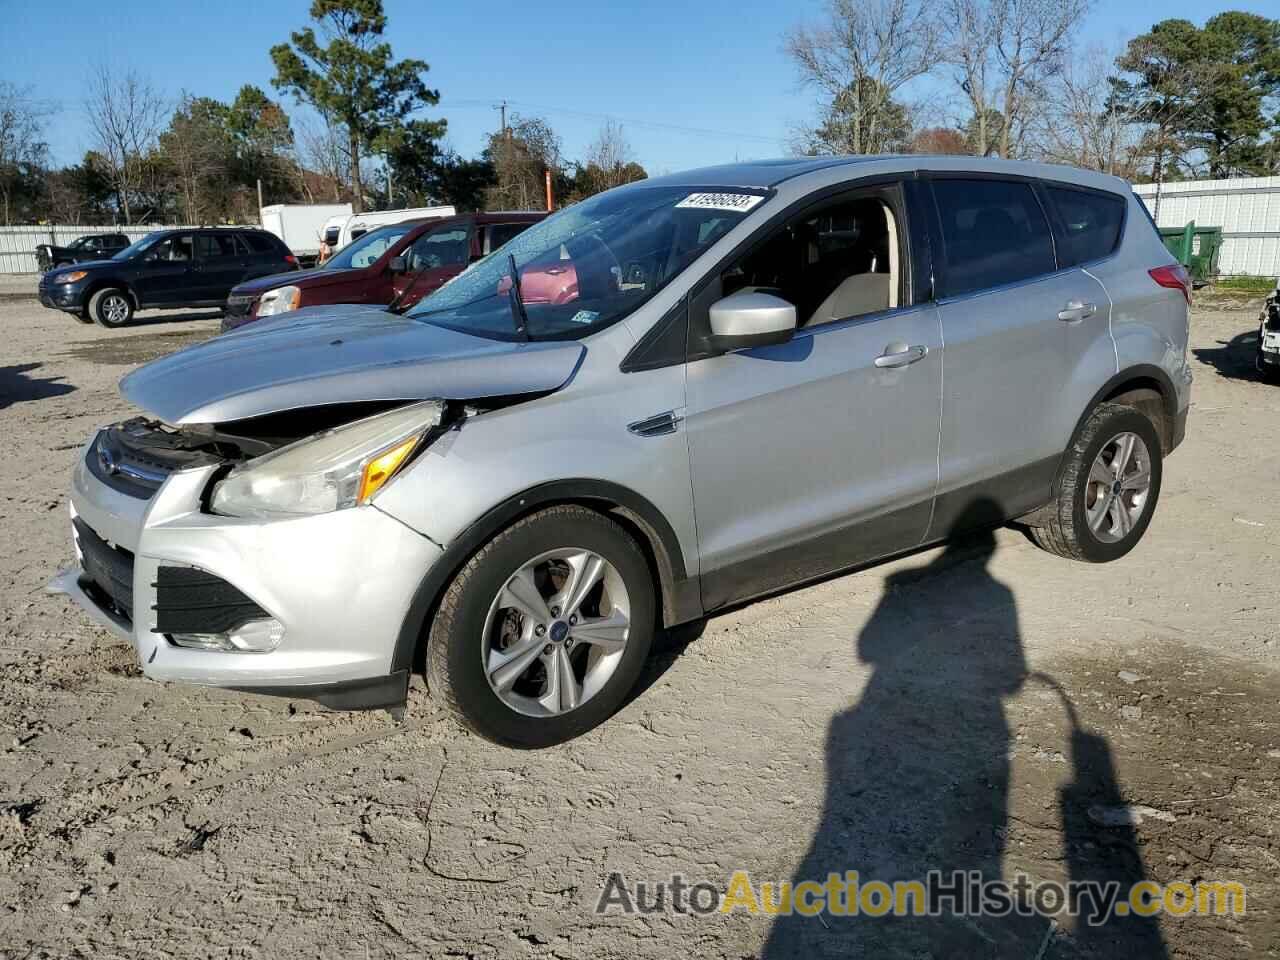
x=1143 y=386
x=106 y=282
x=679 y=598
x=1146 y=387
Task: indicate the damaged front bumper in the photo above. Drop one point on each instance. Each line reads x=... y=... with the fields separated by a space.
x=316 y=602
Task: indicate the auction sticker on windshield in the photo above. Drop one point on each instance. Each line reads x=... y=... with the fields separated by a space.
x=735 y=202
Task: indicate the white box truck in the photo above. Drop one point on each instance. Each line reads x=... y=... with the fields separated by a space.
x=300 y=225
x=361 y=223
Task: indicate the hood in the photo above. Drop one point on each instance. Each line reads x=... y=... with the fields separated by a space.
x=315 y=277
x=344 y=354
x=91 y=264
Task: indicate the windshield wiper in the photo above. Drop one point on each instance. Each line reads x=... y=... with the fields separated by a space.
x=519 y=316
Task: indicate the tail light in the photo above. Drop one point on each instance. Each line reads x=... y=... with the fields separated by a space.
x=1175 y=277
x=291 y=260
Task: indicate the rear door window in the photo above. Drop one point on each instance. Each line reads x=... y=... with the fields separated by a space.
x=994 y=233
x=500 y=233
x=258 y=242
x=443 y=247
x=1090 y=223
x=212 y=245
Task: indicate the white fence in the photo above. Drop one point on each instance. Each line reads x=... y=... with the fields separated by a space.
x=18 y=244
x=1247 y=210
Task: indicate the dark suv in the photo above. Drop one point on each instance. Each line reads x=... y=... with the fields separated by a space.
x=396 y=265
x=92 y=246
x=168 y=268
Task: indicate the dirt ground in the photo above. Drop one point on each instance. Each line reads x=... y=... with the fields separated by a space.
x=911 y=716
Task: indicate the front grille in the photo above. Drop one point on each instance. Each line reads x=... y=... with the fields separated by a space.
x=1273 y=316
x=137 y=456
x=193 y=601
x=108 y=570
x=239 y=306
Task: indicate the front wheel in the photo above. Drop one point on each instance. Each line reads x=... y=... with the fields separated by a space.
x=543 y=633
x=1108 y=489
x=111 y=307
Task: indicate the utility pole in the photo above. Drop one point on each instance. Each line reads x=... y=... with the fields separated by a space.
x=391 y=189
x=502 y=109
x=259 y=197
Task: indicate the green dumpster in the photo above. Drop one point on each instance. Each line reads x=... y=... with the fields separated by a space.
x=1196 y=249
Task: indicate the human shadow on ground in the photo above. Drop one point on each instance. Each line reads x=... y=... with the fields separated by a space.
x=17 y=387
x=918 y=771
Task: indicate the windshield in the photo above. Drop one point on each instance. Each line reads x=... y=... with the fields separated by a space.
x=135 y=248
x=590 y=264
x=366 y=250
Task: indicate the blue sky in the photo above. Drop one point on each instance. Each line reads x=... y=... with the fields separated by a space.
x=715 y=67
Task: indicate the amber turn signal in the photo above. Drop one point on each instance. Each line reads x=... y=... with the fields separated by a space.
x=382 y=467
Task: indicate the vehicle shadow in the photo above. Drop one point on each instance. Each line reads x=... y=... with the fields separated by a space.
x=668 y=646
x=151 y=319
x=17 y=387
x=918 y=770
x=1234 y=358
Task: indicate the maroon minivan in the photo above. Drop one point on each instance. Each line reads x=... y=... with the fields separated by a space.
x=398 y=265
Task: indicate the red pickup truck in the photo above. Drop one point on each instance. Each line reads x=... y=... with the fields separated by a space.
x=397 y=264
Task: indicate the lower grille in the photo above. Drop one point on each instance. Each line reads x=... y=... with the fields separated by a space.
x=108 y=569
x=193 y=601
x=239 y=306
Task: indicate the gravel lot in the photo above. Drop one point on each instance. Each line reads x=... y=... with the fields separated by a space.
x=911 y=716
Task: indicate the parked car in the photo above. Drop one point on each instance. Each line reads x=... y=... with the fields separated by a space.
x=92 y=246
x=168 y=268
x=1268 y=359
x=397 y=264
x=746 y=393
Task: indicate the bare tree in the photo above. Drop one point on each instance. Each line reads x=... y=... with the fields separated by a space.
x=522 y=154
x=609 y=161
x=125 y=115
x=858 y=60
x=21 y=146
x=324 y=149
x=1085 y=124
x=1004 y=52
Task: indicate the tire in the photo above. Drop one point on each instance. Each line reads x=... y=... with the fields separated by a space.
x=104 y=307
x=1063 y=526
x=472 y=630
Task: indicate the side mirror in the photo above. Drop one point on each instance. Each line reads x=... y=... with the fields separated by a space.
x=398 y=264
x=751 y=319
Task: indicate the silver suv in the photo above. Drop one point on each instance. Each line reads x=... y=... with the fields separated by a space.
x=675 y=396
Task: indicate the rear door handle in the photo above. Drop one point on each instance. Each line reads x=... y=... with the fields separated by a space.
x=1075 y=310
x=898 y=354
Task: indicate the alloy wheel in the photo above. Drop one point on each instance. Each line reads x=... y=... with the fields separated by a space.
x=556 y=632
x=115 y=309
x=1118 y=488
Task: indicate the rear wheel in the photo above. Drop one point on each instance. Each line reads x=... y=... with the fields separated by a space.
x=1108 y=488
x=111 y=307
x=543 y=633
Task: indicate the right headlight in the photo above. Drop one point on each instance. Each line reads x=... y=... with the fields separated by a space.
x=333 y=470
x=279 y=300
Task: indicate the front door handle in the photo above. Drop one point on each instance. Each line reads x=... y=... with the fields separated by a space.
x=898 y=354
x=1075 y=310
